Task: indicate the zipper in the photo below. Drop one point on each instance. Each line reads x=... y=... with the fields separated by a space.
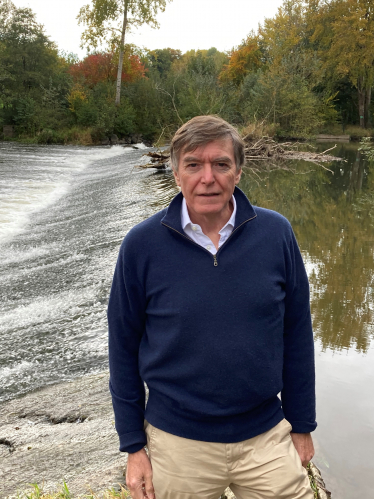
x=215 y=261
x=232 y=233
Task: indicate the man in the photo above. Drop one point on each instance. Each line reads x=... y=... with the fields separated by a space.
x=210 y=308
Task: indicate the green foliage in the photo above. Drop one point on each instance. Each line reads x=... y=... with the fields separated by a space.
x=286 y=76
x=161 y=60
x=107 y=21
x=95 y=108
x=281 y=97
x=104 y=18
x=63 y=492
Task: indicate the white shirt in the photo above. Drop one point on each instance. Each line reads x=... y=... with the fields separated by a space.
x=197 y=235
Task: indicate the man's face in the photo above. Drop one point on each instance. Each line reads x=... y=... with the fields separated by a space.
x=207 y=177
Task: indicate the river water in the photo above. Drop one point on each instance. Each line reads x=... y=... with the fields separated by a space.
x=63 y=214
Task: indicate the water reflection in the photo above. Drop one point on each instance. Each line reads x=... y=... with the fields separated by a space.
x=333 y=220
x=332 y=215
x=164 y=187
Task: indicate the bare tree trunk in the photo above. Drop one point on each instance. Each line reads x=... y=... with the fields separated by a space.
x=361 y=102
x=120 y=61
x=367 y=108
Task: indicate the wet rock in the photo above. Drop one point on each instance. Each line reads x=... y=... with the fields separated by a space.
x=105 y=141
x=114 y=139
x=62 y=432
x=136 y=138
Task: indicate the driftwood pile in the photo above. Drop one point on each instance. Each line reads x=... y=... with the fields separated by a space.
x=159 y=160
x=256 y=149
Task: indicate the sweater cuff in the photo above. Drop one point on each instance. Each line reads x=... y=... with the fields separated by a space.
x=302 y=426
x=132 y=442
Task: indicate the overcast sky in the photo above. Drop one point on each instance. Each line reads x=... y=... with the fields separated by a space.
x=185 y=24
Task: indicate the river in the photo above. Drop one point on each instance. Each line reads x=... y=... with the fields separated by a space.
x=63 y=214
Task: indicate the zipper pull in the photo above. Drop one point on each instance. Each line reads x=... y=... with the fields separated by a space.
x=215 y=261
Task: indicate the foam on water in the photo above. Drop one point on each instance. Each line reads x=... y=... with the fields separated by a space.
x=15 y=255
x=44 y=181
x=18 y=369
x=47 y=309
x=64 y=213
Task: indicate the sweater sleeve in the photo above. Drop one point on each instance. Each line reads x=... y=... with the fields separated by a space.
x=126 y=321
x=298 y=393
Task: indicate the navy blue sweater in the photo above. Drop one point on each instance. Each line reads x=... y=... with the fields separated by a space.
x=215 y=339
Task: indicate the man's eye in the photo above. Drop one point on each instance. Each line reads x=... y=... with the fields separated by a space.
x=192 y=165
x=223 y=165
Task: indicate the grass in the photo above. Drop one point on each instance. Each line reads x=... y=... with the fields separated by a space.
x=258 y=130
x=37 y=492
x=312 y=482
x=354 y=131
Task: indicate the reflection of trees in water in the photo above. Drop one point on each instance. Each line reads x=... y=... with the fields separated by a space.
x=163 y=186
x=332 y=216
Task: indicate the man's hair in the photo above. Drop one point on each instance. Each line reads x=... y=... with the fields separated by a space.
x=202 y=130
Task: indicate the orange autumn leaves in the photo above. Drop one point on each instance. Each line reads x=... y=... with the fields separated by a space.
x=243 y=60
x=102 y=67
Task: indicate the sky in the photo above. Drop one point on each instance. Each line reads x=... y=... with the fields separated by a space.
x=185 y=24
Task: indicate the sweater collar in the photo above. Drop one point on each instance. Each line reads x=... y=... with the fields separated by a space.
x=244 y=213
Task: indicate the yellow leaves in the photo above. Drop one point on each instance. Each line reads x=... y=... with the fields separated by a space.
x=247 y=58
x=346 y=38
x=285 y=31
x=77 y=95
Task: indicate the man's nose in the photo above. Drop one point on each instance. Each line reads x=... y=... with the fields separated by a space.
x=207 y=174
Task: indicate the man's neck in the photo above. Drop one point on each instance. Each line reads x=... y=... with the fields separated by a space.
x=212 y=223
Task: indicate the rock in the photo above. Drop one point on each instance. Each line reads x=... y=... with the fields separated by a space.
x=114 y=139
x=105 y=141
x=8 y=131
x=136 y=138
x=62 y=432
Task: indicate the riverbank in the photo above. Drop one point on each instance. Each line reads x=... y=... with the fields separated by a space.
x=62 y=434
x=73 y=136
x=62 y=438
x=89 y=136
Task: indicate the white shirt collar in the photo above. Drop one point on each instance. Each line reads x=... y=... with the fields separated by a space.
x=186 y=220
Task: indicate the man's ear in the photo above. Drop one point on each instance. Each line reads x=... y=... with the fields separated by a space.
x=176 y=176
x=237 y=176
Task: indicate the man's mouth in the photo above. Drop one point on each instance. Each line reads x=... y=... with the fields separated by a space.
x=210 y=194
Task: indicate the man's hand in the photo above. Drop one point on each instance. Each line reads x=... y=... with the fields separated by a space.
x=139 y=476
x=304 y=445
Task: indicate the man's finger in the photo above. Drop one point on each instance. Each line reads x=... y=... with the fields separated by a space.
x=136 y=488
x=149 y=490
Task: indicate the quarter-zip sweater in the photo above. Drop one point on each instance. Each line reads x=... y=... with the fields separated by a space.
x=216 y=338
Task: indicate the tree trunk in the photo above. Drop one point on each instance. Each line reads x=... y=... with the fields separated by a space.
x=367 y=108
x=120 y=61
x=361 y=102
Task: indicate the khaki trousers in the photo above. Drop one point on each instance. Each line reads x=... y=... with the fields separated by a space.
x=266 y=466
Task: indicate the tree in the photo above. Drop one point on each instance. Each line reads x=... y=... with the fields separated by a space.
x=162 y=59
x=344 y=31
x=102 y=66
x=106 y=19
x=282 y=95
x=245 y=59
x=30 y=71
